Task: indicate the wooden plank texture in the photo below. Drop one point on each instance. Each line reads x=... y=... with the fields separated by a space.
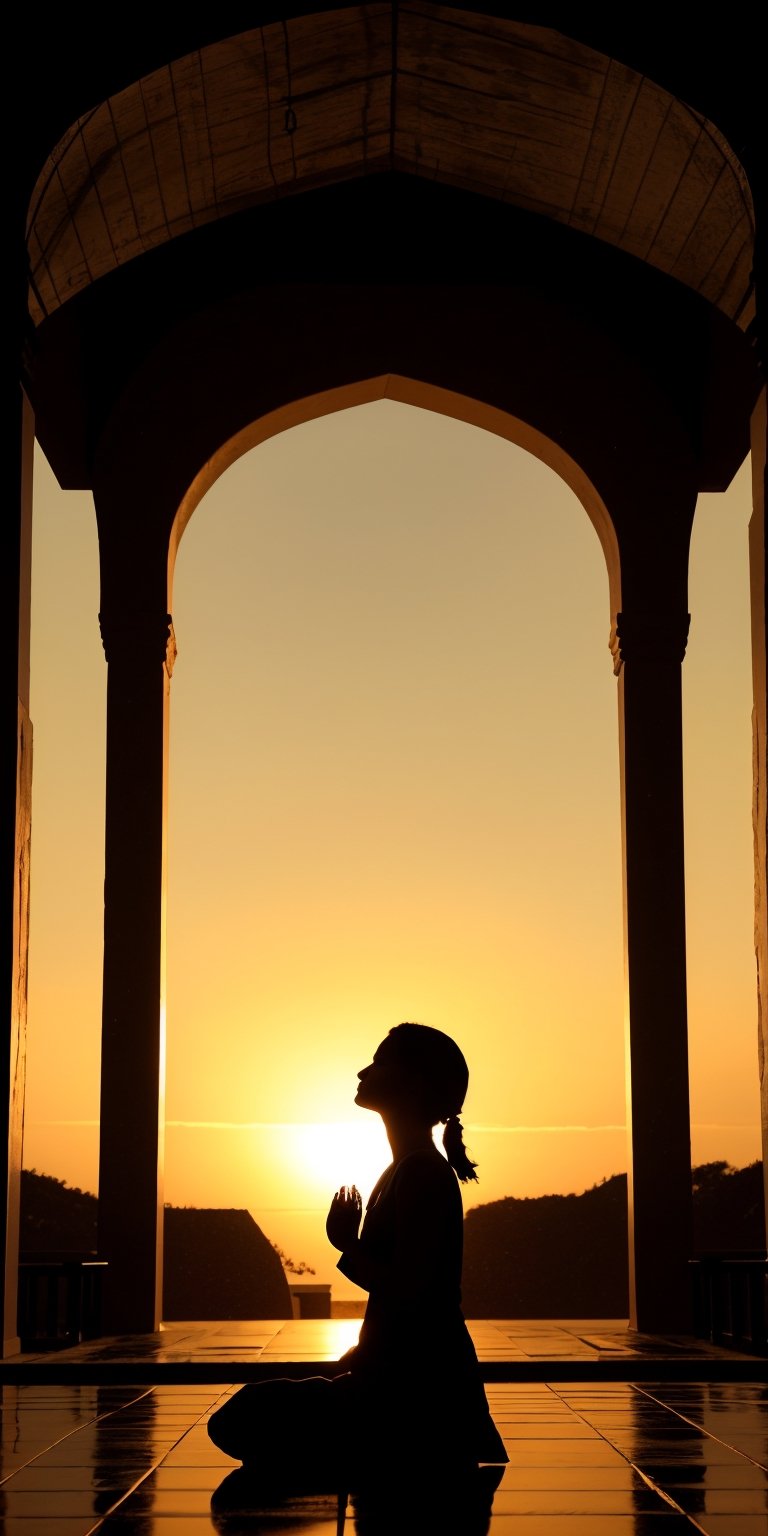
x=509 y=110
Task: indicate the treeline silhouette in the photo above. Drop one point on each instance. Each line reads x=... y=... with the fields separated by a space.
x=566 y=1255
x=547 y=1256
x=728 y=1208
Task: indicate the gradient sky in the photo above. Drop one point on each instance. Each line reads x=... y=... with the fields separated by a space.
x=394 y=795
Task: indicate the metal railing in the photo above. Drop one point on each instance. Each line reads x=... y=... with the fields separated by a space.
x=60 y=1298
x=730 y=1300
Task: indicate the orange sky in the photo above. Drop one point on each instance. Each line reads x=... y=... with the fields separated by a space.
x=394 y=794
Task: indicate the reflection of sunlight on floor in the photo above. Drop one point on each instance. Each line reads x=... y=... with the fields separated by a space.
x=317 y=1340
x=340 y=1152
x=345 y=1336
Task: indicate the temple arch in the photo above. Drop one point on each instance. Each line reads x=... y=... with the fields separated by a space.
x=615 y=317
x=427 y=397
x=139 y=535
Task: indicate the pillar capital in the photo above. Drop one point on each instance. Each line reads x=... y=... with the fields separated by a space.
x=140 y=635
x=650 y=635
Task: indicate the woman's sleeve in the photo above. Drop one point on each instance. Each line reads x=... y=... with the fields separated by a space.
x=425 y=1211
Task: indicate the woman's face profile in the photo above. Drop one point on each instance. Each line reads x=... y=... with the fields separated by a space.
x=381 y=1084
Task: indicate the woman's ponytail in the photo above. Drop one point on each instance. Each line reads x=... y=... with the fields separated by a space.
x=456 y=1152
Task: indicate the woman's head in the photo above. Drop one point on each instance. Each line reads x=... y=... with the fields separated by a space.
x=422 y=1070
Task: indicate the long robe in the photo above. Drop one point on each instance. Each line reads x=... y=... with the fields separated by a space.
x=410 y=1393
x=415 y=1366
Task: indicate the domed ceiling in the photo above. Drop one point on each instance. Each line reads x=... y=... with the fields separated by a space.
x=508 y=110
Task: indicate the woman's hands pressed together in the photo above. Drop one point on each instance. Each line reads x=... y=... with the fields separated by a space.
x=343 y=1222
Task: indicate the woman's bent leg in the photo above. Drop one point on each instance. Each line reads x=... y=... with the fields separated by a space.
x=234 y=1427
x=282 y=1426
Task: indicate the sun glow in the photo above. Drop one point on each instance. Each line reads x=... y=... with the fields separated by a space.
x=332 y=1153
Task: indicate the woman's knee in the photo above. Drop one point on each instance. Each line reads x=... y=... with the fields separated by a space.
x=232 y=1427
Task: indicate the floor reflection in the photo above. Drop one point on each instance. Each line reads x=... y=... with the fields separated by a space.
x=390 y=1502
x=714 y=1468
x=585 y=1459
x=660 y=1443
x=701 y=1448
x=245 y=1502
x=126 y=1445
x=454 y=1506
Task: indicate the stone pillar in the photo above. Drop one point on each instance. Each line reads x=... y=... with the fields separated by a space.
x=140 y=650
x=759 y=759
x=15 y=824
x=648 y=650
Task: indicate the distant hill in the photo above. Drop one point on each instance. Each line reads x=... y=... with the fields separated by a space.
x=566 y=1255
x=218 y=1264
x=728 y=1209
x=552 y=1256
x=55 y=1218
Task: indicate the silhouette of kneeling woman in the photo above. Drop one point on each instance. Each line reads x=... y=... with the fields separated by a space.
x=410 y=1392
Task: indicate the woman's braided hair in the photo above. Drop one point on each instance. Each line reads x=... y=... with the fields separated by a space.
x=441 y=1078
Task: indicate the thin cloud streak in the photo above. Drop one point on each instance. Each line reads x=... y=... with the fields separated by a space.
x=525 y=1130
x=475 y=1130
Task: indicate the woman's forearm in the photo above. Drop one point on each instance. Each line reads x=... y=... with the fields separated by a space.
x=357 y=1267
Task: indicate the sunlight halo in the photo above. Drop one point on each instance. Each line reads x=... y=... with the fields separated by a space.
x=333 y=1153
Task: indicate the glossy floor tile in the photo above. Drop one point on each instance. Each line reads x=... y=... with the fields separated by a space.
x=623 y=1459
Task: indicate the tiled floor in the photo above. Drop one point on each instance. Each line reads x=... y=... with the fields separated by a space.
x=585 y=1459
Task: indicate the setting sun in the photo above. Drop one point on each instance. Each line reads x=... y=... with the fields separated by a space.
x=340 y=1152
